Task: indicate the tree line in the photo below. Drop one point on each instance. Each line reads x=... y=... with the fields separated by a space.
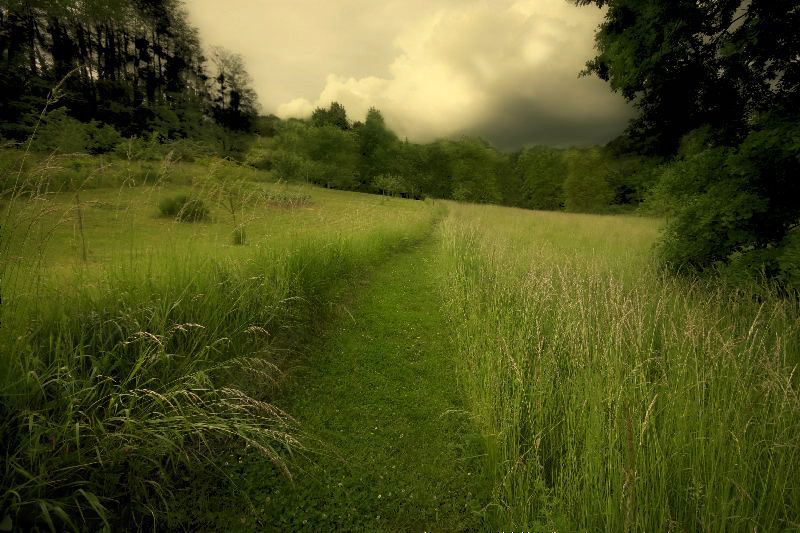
x=134 y=65
x=330 y=151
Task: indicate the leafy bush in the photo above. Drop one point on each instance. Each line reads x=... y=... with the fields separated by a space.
x=61 y=133
x=735 y=205
x=101 y=139
x=184 y=209
x=289 y=166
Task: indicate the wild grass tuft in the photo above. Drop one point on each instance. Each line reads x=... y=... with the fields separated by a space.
x=184 y=209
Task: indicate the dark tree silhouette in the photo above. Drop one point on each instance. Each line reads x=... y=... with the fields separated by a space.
x=728 y=71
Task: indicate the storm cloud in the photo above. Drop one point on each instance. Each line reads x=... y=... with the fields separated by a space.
x=503 y=70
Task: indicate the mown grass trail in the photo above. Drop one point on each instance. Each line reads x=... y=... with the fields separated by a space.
x=397 y=451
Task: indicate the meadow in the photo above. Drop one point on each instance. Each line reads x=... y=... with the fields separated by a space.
x=207 y=374
x=614 y=397
x=135 y=347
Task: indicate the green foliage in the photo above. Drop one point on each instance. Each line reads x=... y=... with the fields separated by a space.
x=90 y=60
x=60 y=133
x=184 y=209
x=365 y=156
x=474 y=170
x=630 y=178
x=101 y=138
x=390 y=185
x=335 y=116
x=156 y=147
x=734 y=203
x=542 y=172
x=290 y=166
x=259 y=156
x=686 y=64
x=334 y=153
x=585 y=188
x=376 y=145
x=716 y=84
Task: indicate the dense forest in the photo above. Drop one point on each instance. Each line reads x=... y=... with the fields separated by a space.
x=714 y=144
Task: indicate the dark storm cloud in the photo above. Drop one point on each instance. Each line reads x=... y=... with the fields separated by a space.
x=502 y=69
x=516 y=123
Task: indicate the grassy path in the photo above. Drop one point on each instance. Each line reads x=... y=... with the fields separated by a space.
x=396 y=452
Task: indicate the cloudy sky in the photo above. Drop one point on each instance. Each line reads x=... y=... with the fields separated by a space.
x=506 y=70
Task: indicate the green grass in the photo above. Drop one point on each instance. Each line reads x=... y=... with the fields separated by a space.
x=362 y=363
x=390 y=447
x=612 y=397
x=127 y=372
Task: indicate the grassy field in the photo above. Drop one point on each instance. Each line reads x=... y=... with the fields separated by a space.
x=612 y=397
x=358 y=362
x=128 y=368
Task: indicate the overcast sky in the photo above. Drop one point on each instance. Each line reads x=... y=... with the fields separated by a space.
x=506 y=70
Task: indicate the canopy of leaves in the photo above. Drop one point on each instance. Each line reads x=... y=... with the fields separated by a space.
x=717 y=84
x=134 y=64
x=686 y=64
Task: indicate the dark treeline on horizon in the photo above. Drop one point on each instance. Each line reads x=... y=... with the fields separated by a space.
x=330 y=151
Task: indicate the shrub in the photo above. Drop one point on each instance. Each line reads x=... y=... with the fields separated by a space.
x=61 y=133
x=735 y=204
x=101 y=139
x=289 y=166
x=184 y=209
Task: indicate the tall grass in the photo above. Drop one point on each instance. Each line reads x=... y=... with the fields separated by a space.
x=119 y=381
x=613 y=398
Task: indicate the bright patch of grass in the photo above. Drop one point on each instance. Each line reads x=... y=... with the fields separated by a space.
x=390 y=446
